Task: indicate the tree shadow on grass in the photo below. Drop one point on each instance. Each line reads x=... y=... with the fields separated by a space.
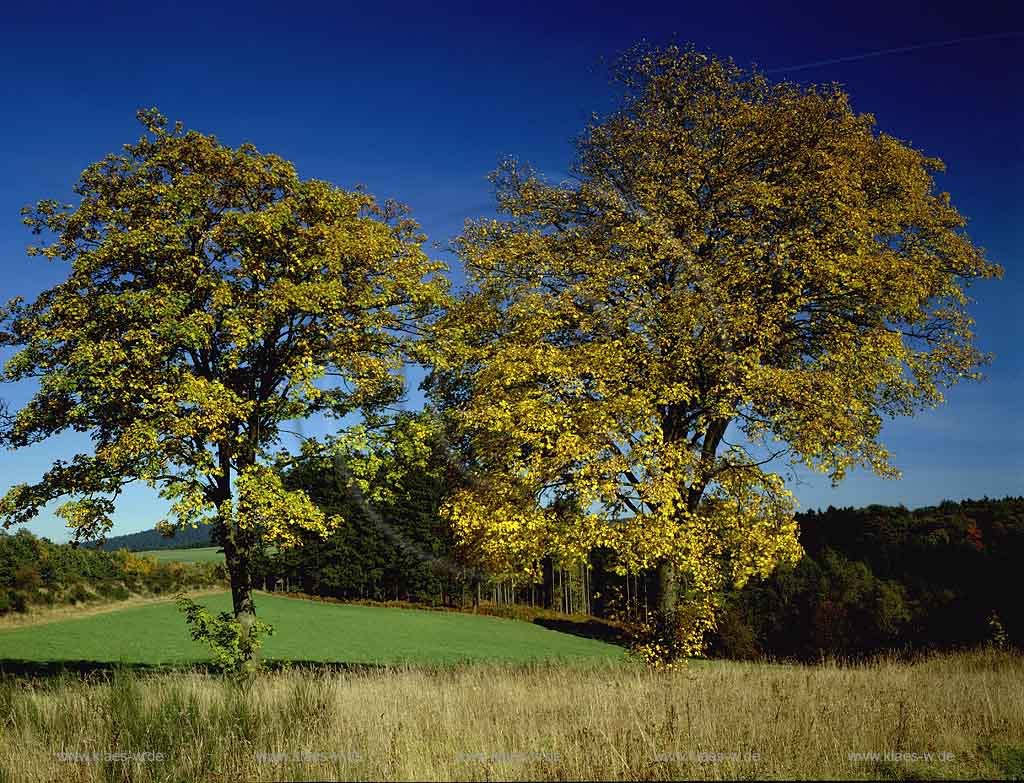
x=104 y=670
x=588 y=629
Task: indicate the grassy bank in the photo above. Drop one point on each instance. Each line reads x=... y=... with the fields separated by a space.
x=54 y=614
x=532 y=722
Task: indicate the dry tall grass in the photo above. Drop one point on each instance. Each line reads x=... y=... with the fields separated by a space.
x=709 y=721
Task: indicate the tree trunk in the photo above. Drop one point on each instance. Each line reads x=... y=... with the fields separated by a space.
x=666 y=600
x=241 y=593
x=668 y=589
x=236 y=555
x=548 y=589
x=629 y=615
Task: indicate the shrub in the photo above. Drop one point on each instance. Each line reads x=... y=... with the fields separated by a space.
x=17 y=600
x=233 y=655
x=27 y=577
x=734 y=637
x=111 y=590
x=78 y=593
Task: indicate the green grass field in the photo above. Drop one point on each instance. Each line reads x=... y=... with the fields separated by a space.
x=203 y=554
x=305 y=631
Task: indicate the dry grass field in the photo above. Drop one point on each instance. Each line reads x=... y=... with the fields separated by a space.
x=950 y=716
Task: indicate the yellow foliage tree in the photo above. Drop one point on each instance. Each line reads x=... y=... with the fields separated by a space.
x=741 y=272
x=212 y=296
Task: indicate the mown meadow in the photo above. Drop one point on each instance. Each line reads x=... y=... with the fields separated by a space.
x=155 y=634
x=201 y=554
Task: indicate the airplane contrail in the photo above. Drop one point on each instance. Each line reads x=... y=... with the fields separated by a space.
x=896 y=50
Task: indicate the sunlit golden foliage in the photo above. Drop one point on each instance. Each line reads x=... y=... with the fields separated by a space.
x=740 y=271
x=212 y=295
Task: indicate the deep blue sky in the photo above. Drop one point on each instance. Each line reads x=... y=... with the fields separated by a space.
x=420 y=101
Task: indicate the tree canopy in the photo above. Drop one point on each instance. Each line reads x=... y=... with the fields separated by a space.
x=739 y=272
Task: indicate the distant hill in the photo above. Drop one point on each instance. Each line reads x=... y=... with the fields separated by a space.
x=152 y=539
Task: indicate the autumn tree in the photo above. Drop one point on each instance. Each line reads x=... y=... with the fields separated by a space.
x=740 y=277
x=212 y=296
